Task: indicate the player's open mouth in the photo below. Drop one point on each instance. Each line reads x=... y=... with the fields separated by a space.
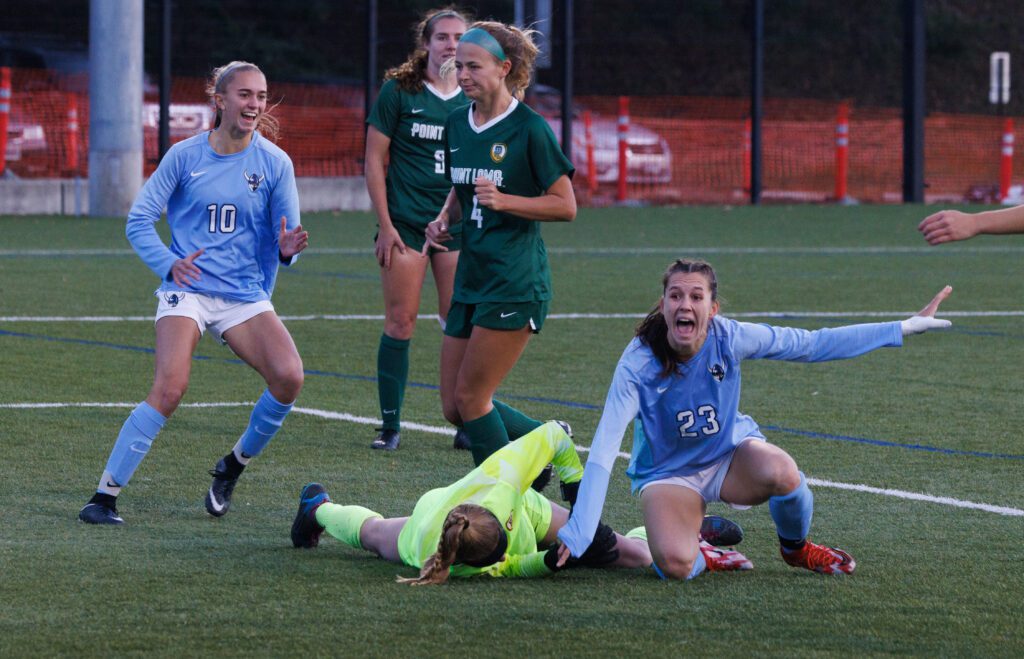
x=685 y=326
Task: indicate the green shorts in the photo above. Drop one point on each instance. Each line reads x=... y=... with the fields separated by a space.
x=495 y=315
x=415 y=237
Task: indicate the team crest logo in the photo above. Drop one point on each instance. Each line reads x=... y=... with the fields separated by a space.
x=174 y=299
x=253 y=180
x=508 y=523
x=717 y=372
x=498 y=152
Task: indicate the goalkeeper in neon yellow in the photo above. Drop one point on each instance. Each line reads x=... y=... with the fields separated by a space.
x=488 y=522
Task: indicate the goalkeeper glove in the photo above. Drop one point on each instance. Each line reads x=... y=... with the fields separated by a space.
x=600 y=553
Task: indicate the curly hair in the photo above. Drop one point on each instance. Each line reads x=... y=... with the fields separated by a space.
x=218 y=82
x=653 y=331
x=470 y=532
x=412 y=73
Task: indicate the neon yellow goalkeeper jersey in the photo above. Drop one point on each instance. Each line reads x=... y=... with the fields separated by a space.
x=501 y=484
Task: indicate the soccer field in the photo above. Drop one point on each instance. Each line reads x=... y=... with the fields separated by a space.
x=914 y=453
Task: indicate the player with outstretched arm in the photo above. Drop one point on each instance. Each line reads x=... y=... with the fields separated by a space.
x=678 y=380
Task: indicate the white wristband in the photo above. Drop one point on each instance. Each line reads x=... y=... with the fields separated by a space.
x=921 y=324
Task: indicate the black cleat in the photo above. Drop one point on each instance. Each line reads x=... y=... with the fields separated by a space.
x=305 y=529
x=387 y=440
x=462 y=440
x=97 y=513
x=218 y=498
x=542 y=479
x=720 y=532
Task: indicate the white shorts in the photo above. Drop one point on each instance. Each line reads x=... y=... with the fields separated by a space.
x=708 y=481
x=217 y=314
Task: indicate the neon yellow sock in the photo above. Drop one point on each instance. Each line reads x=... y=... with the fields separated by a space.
x=639 y=532
x=344 y=522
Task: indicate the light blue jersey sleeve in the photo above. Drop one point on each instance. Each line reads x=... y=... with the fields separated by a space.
x=146 y=211
x=756 y=341
x=620 y=408
x=284 y=202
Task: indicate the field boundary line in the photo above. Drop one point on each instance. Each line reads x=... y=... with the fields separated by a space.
x=446 y=430
x=611 y=251
x=893 y=315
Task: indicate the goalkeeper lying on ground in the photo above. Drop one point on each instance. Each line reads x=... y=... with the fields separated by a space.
x=490 y=521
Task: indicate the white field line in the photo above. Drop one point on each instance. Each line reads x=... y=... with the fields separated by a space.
x=892 y=315
x=445 y=430
x=613 y=251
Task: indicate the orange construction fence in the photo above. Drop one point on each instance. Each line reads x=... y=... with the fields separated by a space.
x=675 y=149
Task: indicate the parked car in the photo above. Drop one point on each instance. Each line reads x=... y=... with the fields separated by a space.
x=24 y=138
x=26 y=153
x=186 y=119
x=648 y=156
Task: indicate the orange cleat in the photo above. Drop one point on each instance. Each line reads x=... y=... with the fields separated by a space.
x=819 y=558
x=719 y=559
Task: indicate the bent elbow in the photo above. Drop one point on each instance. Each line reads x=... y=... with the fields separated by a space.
x=570 y=212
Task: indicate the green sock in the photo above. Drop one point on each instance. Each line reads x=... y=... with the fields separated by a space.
x=392 y=373
x=486 y=435
x=516 y=423
x=344 y=522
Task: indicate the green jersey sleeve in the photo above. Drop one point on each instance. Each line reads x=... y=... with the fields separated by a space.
x=547 y=162
x=386 y=110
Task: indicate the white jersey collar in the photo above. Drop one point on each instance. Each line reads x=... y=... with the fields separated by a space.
x=479 y=129
x=444 y=97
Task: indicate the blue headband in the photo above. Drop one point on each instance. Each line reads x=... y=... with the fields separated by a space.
x=481 y=37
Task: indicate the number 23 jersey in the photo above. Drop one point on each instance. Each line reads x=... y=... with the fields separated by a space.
x=503 y=257
x=691 y=419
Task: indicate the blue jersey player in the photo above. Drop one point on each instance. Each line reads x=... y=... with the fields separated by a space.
x=233 y=210
x=679 y=379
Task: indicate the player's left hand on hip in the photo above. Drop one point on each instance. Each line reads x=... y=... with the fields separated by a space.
x=925 y=319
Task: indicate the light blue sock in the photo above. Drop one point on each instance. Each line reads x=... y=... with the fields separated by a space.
x=792 y=512
x=699 y=565
x=265 y=421
x=133 y=442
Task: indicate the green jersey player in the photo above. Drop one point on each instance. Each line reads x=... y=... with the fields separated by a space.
x=405 y=178
x=508 y=175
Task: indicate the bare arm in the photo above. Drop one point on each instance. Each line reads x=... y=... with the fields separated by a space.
x=376 y=159
x=950 y=225
x=437 y=230
x=557 y=204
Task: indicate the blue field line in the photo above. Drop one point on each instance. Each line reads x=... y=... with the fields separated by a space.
x=331 y=275
x=882 y=442
x=534 y=399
